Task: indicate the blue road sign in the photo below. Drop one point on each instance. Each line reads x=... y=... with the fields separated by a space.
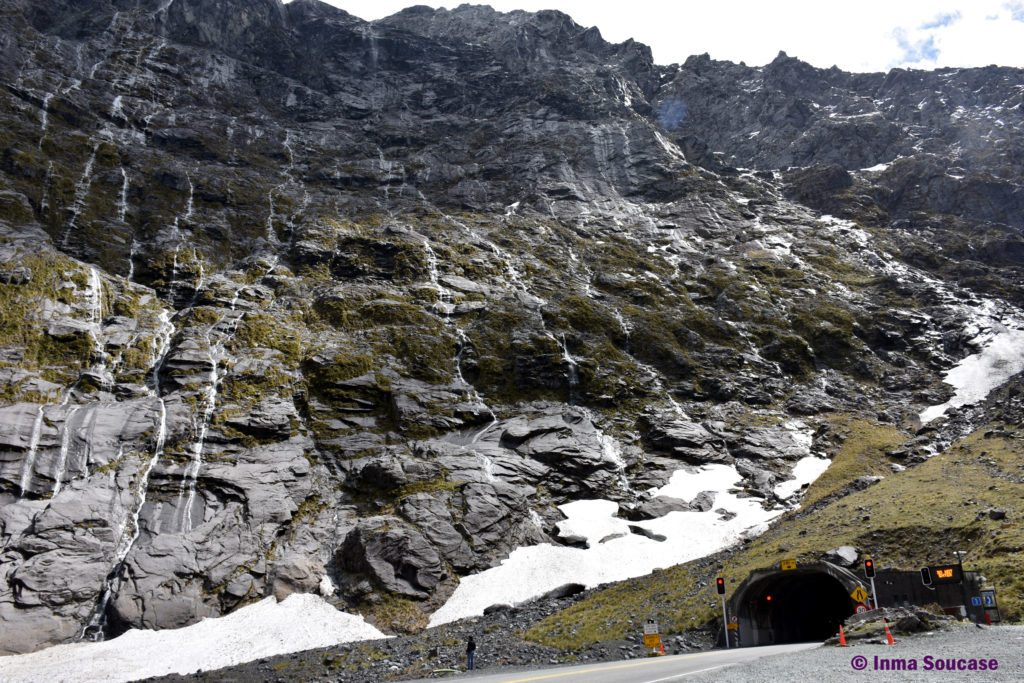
x=976 y=601
x=990 y=599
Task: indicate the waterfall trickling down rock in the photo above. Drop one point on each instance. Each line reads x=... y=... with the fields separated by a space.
x=200 y=278
x=81 y=192
x=573 y=372
x=130 y=530
x=122 y=200
x=191 y=475
x=44 y=112
x=30 y=456
x=164 y=6
x=190 y=203
x=370 y=36
x=95 y=293
x=116 y=108
x=95 y=626
x=445 y=308
x=585 y=274
x=289 y=173
x=216 y=352
x=165 y=333
x=624 y=325
x=65 y=445
x=486 y=463
x=133 y=251
x=178 y=238
x=611 y=452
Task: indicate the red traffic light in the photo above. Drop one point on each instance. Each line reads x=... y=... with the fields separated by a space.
x=720 y=585
x=768 y=598
x=869 y=568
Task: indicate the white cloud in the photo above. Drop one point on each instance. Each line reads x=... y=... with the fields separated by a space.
x=872 y=35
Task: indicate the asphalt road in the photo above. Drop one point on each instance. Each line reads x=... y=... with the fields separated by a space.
x=651 y=670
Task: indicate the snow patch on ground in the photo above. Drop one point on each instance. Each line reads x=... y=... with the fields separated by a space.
x=687 y=485
x=802 y=435
x=975 y=376
x=267 y=628
x=531 y=571
x=591 y=520
x=804 y=472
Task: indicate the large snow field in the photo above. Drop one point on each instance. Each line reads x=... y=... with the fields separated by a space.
x=300 y=622
x=533 y=570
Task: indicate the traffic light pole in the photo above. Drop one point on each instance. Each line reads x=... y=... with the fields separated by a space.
x=963 y=584
x=869 y=573
x=725 y=623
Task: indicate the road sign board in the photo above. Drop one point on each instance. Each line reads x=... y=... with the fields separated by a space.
x=975 y=601
x=651 y=628
x=787 y=565
x=859 y=594
x=733 y=626
x=946 y=573
x=652 y=641
x=860 y=607
x=988 y=598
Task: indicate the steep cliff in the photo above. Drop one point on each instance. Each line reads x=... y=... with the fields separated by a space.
x=293 y=302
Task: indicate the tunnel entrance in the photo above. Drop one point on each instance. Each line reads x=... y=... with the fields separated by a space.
x=799 y=605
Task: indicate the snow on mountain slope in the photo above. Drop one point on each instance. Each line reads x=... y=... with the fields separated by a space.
x=614 y=552
x=267 y=628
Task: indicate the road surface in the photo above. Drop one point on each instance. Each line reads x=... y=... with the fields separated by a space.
x=650 y=670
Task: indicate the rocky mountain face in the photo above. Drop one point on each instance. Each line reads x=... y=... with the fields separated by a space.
x=296 y=302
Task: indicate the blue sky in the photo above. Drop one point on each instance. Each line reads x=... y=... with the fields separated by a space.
x=870 y=35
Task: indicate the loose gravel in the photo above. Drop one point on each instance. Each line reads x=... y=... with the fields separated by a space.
x=1002 y=643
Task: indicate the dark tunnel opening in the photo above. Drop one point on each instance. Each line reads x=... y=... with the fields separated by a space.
x=793 y=607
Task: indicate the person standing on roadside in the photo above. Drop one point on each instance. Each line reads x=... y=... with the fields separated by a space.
x=470 y=653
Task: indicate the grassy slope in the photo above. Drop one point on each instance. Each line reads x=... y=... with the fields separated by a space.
x=909 y=519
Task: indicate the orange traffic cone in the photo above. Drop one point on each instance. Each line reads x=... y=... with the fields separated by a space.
x=842 y=637
x=888 y=634
x=662 y=647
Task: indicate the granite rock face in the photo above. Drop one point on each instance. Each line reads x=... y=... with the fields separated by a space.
x=289 y=295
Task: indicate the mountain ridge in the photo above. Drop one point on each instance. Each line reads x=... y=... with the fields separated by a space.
x=370 y=301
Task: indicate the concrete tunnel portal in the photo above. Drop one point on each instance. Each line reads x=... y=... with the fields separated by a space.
x=775 y=606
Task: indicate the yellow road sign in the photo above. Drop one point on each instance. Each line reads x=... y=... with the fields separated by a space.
x=652 y=641
x=859 y=594
x=786 y=565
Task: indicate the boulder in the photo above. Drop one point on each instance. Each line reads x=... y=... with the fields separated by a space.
x=294 y=573
x=272 y=418
x=658 y=506
x=684 y=439
x=432 y=517
x=843 y=556
x=768 y=443
x=396 y=557
x=566 y=590
x=641 y=531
